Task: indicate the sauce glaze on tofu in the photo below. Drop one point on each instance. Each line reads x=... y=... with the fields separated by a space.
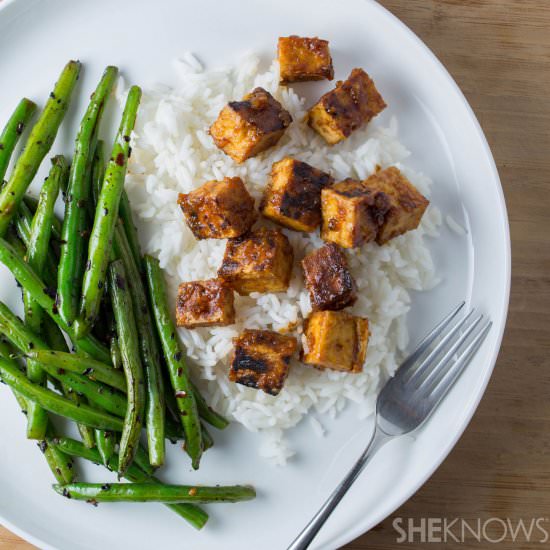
x=219 y=209
x=293 y=196
x=261 y=360
x=336 y=340
x=352 y=213
x=245 y=128
x=353 y=103
x=205 y=304
x=302 y=59
x=328 y=278
x=260 y=261
x=406 y=204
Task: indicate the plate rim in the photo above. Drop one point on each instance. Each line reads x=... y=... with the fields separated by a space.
x=363 y=527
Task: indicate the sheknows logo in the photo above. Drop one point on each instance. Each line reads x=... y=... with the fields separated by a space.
x=491 y=530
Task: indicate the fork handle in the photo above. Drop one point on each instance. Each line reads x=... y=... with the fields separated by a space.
x=304 y=539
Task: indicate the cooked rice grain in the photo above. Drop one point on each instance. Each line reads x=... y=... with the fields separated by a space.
x=172 y=153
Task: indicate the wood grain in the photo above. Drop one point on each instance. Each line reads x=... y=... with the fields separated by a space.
x=499 y=53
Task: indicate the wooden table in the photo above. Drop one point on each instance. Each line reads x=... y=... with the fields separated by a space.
x=499 y=52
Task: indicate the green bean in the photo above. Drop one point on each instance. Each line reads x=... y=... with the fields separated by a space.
x=6 y=349
x=37 y=418
x=207 y=439
x=179 y=375
x=53 y=336
x=86 y=433
x=154 y=408
x=23 y=224
x=55 y=339
x=39 y=241
x=75 y=222
x=99 y=395
x=13 y=129
x=131 y=362
x=30 y=281
x=31 y=203
x=37 y=252
x=75 y=448
x=207 y=413
x=55 y=403
x=130 y=230
x=105 y=218
x=38 y=144
x=174 y=429
x=60 y=464
x=175 y=433
x=116 y=359
x=98 y=172
x=193 y=514
x=24 y=339
x=142 y=461
x=106 y=442
x=94 y=370
x=150 y=492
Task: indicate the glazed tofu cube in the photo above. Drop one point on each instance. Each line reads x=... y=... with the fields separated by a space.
x=303 y=59
x=293 y=195
x=352 y=213
x=261 y=360
x=349 y=106
x=219 y=209
x=328 y=278
x=336 y=340
x=260 y=261
x=245 y=128
x=406 y=204
x=205 y=304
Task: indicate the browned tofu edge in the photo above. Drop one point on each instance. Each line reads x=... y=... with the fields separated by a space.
x=254 y=366
x=318 y=66
x=204 y=303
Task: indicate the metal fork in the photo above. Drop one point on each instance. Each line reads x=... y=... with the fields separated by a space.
x=408 y=399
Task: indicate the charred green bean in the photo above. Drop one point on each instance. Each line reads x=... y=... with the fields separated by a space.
x=38 y=144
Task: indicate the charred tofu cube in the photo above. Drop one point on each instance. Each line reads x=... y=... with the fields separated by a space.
x=260 y=261
x=245 y=128
x=349 y=106
x=336 y=340
x=303 y=59
x=205 y=304
x=352 y=213
x=293 y=196
x=328 y=279
x=261 y=360
x=406 y=204
x=219 y=209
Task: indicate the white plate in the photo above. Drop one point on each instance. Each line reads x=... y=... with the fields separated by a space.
x=141 y=37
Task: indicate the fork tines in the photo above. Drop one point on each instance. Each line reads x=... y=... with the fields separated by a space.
x=440 y=358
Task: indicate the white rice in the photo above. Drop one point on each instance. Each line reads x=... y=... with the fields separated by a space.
x=172 y=153
x=454 y=226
